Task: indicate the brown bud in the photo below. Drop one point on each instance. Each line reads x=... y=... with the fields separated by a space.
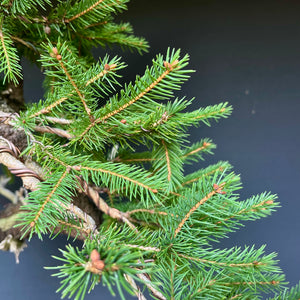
x=215 y=186
x=54 y=50
x=123 y=121
x=47 y=29
x=255 y=263
x=113 y=66
x=94 y=256
x=58 y=57
x=269 y=202
x=32 y=224
x=98 y=264
x=106 y=67
x=167 y=65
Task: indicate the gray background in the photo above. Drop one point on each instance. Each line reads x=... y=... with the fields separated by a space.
x=244 y=52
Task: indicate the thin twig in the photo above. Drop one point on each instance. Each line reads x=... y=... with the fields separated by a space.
x=150 y=286
x=61 y=121
x=6 y=192
x=136 y=289
x=103 y=206
x=57 y=131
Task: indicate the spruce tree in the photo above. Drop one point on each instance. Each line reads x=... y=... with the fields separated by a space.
x=112 y=175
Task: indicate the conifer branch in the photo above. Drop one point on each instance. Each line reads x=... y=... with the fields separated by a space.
x=81 y=96
x=135 y=182
x=48 y=199
x=210 y=114
x=76 y=227
x=49 y=108
x=213 y=262
x=237 y=283
x=87 y=10
x=95 y=24
x=4 y=49
x=9 y=64
x=217 y=189
x=45 y=110
x=107 y=68
x=197 y=150
x=127 y=206
x=202 y=174
x=169 y=67
x=272 y=282
x=168 y=160
x=254 y=208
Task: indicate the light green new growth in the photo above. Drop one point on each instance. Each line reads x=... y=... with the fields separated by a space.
x=158 y=224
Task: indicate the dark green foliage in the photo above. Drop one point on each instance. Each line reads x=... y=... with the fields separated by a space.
x=158 y=224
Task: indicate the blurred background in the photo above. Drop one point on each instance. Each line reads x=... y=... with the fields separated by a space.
x=244 y=52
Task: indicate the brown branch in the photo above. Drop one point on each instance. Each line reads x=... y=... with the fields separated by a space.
x=145 y=248
x=236 y=296
x=103 y=206
x=150 y=211
x=95 y=24
x=150 y=286
x=6 y=192
x=31 y=180
x=61 y=121
x=135 y=288
x=117 y=159
x=57 y=131
x=76 y=227
x=28 y=45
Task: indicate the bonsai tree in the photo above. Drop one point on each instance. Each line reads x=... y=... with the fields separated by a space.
x=112 y=174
